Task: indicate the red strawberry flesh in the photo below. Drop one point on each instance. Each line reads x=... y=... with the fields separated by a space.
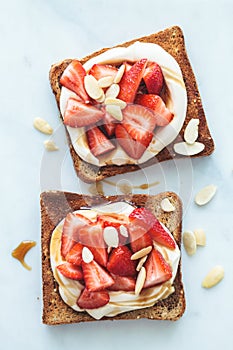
x=92 y=300
x=75 y=254
x=103 y=70
x=123 y=283
x=98 y=143
x=92 y=237
x=78 y=114
x=73 y=79
x=70 y=232
x=96 y=278
x=162 y=114
x=153 y=78
x=71 y=271
x=131 y=80
x=157 y=269
x=120 y=262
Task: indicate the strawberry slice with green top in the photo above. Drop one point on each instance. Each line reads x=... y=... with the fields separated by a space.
x=131 y=80
x=96 y=278
x=75 y=254
x=126 y=284
x=153 y=78
x=92 y=237
x=73 y=79
x=157 y=269
x=103 y=70
x=120 y=262
x=98 y=142
x=92 y=300
x=70 y=232
x=78 y=114
x=71 y=271
x=161 y=113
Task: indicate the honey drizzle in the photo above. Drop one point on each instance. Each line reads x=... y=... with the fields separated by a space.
x=125 y=188
x=20 y=252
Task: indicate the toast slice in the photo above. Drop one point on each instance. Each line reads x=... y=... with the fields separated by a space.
x=55 y=206
x=172 y=40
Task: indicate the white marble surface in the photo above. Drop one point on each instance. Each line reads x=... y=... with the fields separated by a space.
x=34 y=34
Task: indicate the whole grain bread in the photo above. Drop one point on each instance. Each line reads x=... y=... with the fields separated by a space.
x=55 y=206
x=172 y=40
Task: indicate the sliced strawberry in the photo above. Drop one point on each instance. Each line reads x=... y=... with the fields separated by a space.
x=120 y=262
x=157 y=269
x=71 y=271
x=70 y=232
x=78 y=114
x=109 y=124
x=131 y=80
x=160 y=235
x=139 y=238
x=138 y=121
x=102 y=70
x=75 y=254
x=123 y=283
x=92 y=237
x=162 y=114
x=146 y=219
x=133 y=148
x=143 y=217
x=95 y=277
x=73 y=79
x=115 y=220
x=98 y=142
x=153 y=78
x=92 y=300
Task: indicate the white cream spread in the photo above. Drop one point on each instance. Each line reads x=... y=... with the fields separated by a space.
x=120 y=301
x=177 y=103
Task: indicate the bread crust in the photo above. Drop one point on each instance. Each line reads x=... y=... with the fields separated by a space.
x=55 y=205
x=172 y=40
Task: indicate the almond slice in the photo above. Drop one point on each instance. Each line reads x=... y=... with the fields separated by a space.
x=214 y=276
x=166 y=205
x=50 y=146
x=113 y=91
x=200 y=237
x=87 y=255
x=92 y=87
x=115 y=112
x=105 y=81
x=119 y=74
x=189 y=241
x=191 y=131
x=111 y=237
x=205 y=195
x=123 y=231
x=116 y=102
x=141 y=253
x=101 y=98
x=42 y=126
x=188 y=150
x=140 y=280
x=141 y=262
